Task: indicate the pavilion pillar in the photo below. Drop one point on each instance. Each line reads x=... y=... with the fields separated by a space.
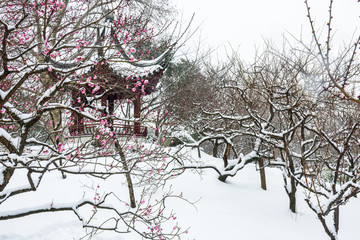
x=104 y=104
x=78 y=120
x=137 y=107
x=111 y=106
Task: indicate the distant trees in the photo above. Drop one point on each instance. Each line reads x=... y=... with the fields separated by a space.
x=269 y=112
x=258 y=116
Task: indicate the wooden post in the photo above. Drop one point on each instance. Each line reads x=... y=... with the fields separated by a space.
x=137 y=108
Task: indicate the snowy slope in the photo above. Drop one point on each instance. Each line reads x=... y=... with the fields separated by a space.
x=238 y=209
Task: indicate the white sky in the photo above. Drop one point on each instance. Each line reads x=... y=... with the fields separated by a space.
x=245 y=23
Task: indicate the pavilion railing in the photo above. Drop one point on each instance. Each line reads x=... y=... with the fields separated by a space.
x=118 y=129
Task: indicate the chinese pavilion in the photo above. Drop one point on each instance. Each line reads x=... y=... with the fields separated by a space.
x=111 y=81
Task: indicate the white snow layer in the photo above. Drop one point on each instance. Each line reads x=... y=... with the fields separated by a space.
x=237 y=209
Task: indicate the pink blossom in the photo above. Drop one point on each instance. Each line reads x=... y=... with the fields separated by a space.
x=3 y=110
x=46 y=40
x=133 y=50
x=97 y=88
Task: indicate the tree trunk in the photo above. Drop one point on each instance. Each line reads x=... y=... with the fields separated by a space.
x=292 y=196
x=215 y=149
x=127 y=175
x=222 y=178
x=226 y=155
x=128 y=179
x=331 y=234
x=336 y=219
x=123 y=160
x=57 y=138
x=7 y=173
x=291 y=169
x=262 y=174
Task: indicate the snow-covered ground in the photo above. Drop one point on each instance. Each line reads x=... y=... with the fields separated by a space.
x=236 y=210
x=240 y=209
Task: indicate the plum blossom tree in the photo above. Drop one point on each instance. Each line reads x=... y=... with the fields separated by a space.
x=51 y=52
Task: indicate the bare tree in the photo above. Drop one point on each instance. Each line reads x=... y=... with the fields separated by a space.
x=330 y=173
x=339 y=71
